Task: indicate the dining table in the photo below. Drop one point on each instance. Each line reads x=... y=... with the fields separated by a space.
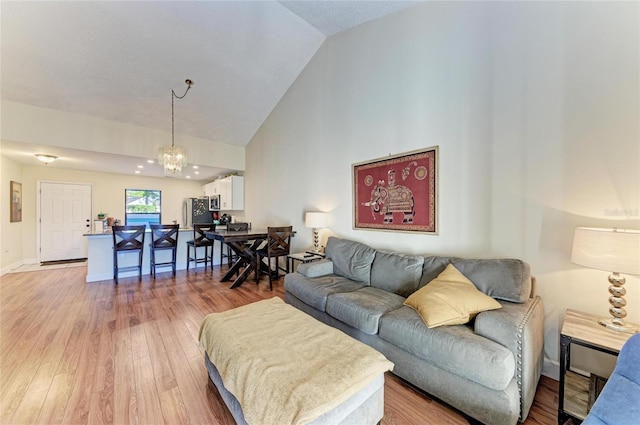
x=244 y=244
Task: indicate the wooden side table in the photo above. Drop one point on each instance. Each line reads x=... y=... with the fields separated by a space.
x=303 y=257
x=581 y=329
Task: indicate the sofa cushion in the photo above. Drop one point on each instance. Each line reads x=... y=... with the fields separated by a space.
x=314 y=292
x=456 y=349
x=506 y=279
x=351 y=259
x=432 y=267
x=363 y=308
x=396 y=273
x=449 y=299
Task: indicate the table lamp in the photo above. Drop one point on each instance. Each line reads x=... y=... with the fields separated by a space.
x=315 y=220
x=612 y=250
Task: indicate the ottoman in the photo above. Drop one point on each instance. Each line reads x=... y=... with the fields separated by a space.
x=274 y=364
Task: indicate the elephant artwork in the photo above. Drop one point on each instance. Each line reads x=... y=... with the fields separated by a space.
x=396 y=193
x=385 y=200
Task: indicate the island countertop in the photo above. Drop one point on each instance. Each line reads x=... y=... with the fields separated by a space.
x=147 y=231
x=100 y=255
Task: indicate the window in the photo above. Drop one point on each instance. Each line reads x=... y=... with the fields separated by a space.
x=142 y=207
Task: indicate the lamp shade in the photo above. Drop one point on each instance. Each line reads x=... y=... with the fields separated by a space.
x=315 y=220
x=611 y=250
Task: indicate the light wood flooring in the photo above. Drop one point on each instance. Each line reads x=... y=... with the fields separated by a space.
x=96 y=353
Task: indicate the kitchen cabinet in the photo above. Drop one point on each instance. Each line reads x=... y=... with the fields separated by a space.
x=211 y=189
x=231 y=191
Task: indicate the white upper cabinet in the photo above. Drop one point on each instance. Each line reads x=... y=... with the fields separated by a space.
x=231 y=191
x=210 y=189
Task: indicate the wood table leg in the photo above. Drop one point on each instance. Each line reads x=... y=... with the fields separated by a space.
x=246 y=258
x=233 y=270
x=243 y=276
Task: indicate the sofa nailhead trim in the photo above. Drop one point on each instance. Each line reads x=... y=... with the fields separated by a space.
x=519 y=334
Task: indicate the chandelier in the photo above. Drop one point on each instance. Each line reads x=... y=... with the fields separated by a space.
x=173 y=158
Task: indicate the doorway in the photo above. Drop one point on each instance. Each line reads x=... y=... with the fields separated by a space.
x=65 y=216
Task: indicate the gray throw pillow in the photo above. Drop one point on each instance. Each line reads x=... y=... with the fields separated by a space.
x=350 y=259
x=316 y=268
x=504 y=278
x=433 y=266
x=396 y=273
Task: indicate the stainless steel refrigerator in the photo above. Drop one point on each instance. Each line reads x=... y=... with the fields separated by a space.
x=196 y=210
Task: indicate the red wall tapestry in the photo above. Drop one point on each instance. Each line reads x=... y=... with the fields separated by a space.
x=397 y=192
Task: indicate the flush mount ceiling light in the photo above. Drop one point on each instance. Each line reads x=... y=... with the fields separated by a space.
x=173 y=158
x=46 y=158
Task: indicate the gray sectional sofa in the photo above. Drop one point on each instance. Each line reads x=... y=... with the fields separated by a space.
x=488 y=368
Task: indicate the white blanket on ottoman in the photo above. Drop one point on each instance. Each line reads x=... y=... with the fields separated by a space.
x=283 y=366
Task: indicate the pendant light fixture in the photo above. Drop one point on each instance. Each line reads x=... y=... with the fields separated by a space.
x=173 y=158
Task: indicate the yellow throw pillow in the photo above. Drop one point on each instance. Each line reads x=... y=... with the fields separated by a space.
x=449 y=299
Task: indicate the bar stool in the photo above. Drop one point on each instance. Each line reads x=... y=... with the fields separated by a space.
x=127 y=239
x=200 y=240
x=164 y=237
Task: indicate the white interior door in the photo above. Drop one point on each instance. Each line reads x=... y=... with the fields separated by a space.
x=65 y=215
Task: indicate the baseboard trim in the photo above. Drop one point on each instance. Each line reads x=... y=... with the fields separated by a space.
x=551 y=369
x=11 y=267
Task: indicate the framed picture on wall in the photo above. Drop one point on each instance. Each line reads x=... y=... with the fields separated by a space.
x=16 y=202
x=397 y=193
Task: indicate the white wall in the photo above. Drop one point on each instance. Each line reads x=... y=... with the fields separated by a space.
x=108 y=196
x=10 y=233
x=535 y=108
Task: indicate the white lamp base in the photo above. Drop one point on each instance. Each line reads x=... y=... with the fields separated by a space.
x=619 y=326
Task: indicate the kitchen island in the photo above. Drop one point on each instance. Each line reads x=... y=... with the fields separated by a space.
x=100 y=256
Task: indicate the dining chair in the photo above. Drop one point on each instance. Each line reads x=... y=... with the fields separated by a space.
x=127 y=239
x=278 y=245
x=229 y=255
x=164 y=237
x=200 y=241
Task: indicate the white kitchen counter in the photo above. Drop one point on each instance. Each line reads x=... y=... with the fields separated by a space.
x=100 y=256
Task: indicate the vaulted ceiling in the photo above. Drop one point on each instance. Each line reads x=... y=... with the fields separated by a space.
x=119 y=60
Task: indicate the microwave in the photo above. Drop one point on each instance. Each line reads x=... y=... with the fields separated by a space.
x=214 y=203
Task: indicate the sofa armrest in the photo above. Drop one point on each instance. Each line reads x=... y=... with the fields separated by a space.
x=520 y=328
x=316 y=268
x=619 y=401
